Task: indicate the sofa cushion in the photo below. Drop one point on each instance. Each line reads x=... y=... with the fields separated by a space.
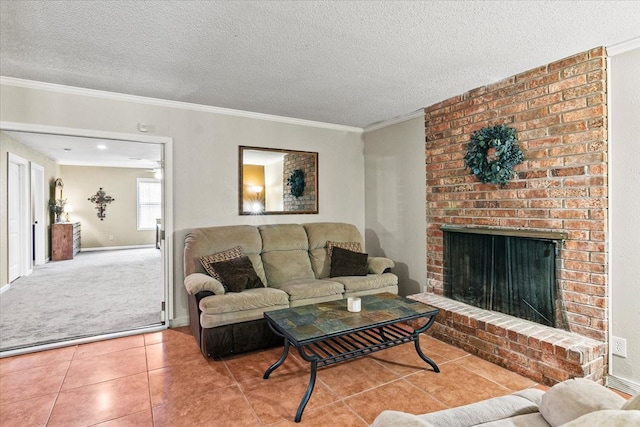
x=633 y=403
x=237 y=274
x=207 y=260
x=364 y=283
x=533 y=419
x=282 y=266
x=283 y=237
x=300 y=289
x=319 y=233
x=237 y=307
x=396 y=418
x=573 y=398
x=200 y=242
x=607 y=417
x=347 y=263
x=198 y=282
x=249 y=299
x=284 y=253
x=490 y=410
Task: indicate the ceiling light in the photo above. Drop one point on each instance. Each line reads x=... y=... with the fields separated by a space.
x=67 y=149
x=102 y=147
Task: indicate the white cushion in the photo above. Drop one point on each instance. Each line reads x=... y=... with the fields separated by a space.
x=396 y=419
x=633 y=403
x=571 y=399
x=607 y=417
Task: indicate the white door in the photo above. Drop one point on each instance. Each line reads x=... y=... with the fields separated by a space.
x=38 y=213
x=19 y=257
x=13 y=207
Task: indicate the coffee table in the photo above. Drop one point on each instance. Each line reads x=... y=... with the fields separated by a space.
x=327 y=333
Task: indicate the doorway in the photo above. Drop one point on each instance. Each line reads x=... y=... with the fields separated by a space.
x=30 y=243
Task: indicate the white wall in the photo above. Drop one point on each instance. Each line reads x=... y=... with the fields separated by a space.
x=274 y=188
x=395 y=194
x=205 y=156
x=624 y=175
x=120 y=225
x=51 y=172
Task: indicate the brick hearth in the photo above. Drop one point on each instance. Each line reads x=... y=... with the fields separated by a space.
x=544 y=354
x=559 y=111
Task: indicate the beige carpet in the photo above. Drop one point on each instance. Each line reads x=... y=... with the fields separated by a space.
x=93 y=294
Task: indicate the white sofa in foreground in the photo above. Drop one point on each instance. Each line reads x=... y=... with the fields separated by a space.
x=573 y=403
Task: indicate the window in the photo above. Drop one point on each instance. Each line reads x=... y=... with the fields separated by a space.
x=149 y=203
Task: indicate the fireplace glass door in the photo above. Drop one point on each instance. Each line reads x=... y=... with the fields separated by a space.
x=512 y=275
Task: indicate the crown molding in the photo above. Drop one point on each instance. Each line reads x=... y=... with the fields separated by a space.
x=53 y=87
x=395 y=120
x=623 y=47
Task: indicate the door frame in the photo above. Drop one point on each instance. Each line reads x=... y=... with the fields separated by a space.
x=167 y=180
x=39 y=214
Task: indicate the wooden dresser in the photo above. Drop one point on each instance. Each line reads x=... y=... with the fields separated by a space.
x=65 y=240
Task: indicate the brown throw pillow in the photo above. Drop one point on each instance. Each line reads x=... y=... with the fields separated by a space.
x=237 y=274
x=347 y=263
x=217 y=257
x=352 y=246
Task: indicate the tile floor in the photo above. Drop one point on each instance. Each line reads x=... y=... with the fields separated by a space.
x=161 y=379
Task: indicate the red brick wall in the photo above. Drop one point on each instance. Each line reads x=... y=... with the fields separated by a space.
x=560 y=113
x=307 y=201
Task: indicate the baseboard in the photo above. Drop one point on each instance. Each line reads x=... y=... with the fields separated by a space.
x=179 y=321
x=113 y=248
x=623 y=385
x=5 y=288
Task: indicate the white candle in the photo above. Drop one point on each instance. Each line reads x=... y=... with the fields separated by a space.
x=353 y=304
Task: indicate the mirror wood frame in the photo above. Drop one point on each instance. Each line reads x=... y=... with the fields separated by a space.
x=310 y=181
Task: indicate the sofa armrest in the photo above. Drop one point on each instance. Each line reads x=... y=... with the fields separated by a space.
x=198 y=282
x=378 y=265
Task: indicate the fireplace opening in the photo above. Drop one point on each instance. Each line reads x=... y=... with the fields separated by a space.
x=514 y=275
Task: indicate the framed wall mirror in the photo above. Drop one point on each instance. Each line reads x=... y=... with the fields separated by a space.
x=275 y=181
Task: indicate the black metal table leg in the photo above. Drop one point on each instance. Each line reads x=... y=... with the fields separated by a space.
x=307 y=394
x=423 y=356
x=285 y=353
x=417 y=333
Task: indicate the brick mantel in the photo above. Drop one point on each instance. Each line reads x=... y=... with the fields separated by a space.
x=559 y=111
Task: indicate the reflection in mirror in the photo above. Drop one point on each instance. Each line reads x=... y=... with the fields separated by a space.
x=276 y=181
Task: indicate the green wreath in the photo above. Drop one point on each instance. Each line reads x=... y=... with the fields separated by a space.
x=492 y=153
x=296 y=182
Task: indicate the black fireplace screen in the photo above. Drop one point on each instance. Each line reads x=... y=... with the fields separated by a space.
x=512 y=275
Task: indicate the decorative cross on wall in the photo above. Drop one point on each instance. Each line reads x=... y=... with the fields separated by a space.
x=101 y=200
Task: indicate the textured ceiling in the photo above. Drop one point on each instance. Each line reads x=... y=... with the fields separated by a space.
x=350 y=62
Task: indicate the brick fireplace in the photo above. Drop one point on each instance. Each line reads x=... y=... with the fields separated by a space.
x=560 y=113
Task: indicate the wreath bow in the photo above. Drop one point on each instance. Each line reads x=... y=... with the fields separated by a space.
x=492 y=153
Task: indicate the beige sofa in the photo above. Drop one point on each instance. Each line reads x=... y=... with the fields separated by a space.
x=573 y=403
x=294 y=267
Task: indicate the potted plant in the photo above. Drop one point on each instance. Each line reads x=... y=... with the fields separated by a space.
x=56 y=206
